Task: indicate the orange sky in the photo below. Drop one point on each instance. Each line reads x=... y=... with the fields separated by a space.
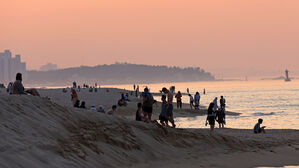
x=226 y=37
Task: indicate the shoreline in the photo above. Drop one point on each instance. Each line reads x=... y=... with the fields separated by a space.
x=42 y=133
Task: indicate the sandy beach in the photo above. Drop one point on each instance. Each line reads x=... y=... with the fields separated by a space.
x=47 y=132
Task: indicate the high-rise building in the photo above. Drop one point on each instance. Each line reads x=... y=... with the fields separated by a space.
x=10 y=66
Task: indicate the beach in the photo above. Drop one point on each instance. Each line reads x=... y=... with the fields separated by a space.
x=48 y=132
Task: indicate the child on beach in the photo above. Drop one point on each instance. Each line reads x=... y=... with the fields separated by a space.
x=93 y=108
x=162 y=116
x=139 y=116
x=191 y=101
x=257 y=128
x=101 y=109
x=111 y=111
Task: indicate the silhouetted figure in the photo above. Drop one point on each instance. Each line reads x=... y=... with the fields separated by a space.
x=17 y=87
x=215 y=101
x=257 y=128
x=162 y=116
x=220 y=118
x=222 y=103
x=169 y=113
x=191 y=101
x=211 y=117
x=178 y=97
x=197 y=100
x=147 y=107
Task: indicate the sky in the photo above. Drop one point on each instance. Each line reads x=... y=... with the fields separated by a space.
x=230 y=38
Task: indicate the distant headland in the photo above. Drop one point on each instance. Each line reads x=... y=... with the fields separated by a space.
x=118 y=73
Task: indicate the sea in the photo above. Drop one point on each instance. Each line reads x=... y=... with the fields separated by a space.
x=276 y=102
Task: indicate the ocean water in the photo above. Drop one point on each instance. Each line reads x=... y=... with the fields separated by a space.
x=276 y=102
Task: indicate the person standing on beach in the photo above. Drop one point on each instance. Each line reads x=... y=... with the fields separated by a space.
x=188 y=90
x=134 y=87
x=74 y=96
x=178 y=97
x=222 y=103
x=162 y=116
x=169 y=113
x=197 y=100
x=215 y=103
x=220 y=118
x=191 y=101
x=147 y=107
x=211 y=117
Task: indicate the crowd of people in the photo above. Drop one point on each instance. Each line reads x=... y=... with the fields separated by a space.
x=145 y=107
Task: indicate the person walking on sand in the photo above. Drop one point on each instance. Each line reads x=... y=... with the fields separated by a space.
x=197 y=100
x=191 y=101
x=211 y=117
x=257 y=128
x=148 y=101
x=169 y=113
x=215 y=103
x=178 y=97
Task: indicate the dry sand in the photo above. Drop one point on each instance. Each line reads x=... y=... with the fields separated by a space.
x=38 y=132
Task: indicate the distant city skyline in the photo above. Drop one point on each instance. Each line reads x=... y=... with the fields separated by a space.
x=230 y=39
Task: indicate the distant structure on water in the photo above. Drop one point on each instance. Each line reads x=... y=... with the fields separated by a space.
x=287 y=79
x=9 y=66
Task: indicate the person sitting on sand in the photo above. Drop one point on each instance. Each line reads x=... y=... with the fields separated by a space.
x=169 y=112
x=111 y=111
x=211 y=117
x=101 y=109
x=220 y=117
x=82 y=105
x=74 y=96
x=93 y=108
x=139 y=113
x=197 y=99
x=257 y=128
x=147 y=101
x=178 y=97
x=191 y=101
x=77 y=104
x=127 y=97
x=9 y=88
x=18 y=88
x=162 y=116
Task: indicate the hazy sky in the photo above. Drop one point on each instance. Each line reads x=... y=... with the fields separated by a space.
x=228 y=37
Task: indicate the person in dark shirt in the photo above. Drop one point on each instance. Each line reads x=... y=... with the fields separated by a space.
x=220 y=118
x=211 y=116
x=257 y=128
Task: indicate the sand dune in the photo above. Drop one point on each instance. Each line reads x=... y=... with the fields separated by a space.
x=37 y=132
